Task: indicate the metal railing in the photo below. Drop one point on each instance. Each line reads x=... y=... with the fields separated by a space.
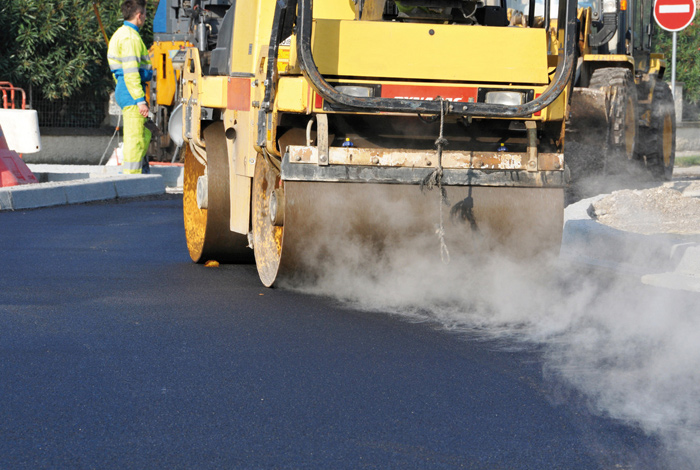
x=10 y=96
x=70 y=113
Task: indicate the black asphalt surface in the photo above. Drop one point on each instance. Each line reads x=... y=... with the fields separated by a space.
x=117 y=352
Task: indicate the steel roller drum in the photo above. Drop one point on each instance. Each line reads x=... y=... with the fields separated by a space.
x=320 y=218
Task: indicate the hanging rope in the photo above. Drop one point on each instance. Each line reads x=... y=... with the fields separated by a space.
x=434 y=180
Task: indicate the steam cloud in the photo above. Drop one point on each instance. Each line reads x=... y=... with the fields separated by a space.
x=633 y=350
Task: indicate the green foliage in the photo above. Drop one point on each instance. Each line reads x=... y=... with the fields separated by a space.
x=687 y=58
x=57 y=47
x=693 y=160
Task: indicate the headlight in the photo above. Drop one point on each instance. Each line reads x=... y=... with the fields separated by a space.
x=175 y=126
x=609 y=6
x=358 y=91
x=509 y=98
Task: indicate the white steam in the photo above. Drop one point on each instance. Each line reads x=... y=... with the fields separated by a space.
x=633 y=351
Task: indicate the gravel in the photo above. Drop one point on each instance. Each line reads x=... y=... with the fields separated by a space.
x=673 y=208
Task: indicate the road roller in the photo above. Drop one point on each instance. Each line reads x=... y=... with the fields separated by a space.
x=314 y=124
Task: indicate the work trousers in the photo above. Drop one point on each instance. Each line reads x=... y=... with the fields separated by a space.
x=136 y=140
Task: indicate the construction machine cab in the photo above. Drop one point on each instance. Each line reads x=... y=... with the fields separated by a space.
x=456 y=11
x=618 y=26
x=474 y=12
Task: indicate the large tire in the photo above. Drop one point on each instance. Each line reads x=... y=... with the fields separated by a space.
x=584 y=150
x=658 y=142
x=623 y=116
x=207 y=230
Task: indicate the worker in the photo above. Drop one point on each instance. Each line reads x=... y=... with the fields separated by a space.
x=129 y=62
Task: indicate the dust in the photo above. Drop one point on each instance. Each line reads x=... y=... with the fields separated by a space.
x=632 y=351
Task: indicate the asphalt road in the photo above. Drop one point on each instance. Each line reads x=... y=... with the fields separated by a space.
x=117 y=352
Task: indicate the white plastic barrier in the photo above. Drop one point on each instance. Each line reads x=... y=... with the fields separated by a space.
x=21 y=129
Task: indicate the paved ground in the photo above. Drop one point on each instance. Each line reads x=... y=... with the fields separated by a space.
x=662 y=260
x=117 y=352
x=670 y=260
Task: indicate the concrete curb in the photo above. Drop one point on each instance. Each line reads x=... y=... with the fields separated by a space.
x=664 y=260
x=53 y=193
x=172 y=175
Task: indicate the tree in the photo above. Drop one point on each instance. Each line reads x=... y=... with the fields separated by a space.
x=56 y=46
x=687 y=59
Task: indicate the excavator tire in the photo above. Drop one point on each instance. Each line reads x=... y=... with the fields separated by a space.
x=623 y=116
x=658 y=142
x=586 y=144
x=207 y=230
x=302 y=229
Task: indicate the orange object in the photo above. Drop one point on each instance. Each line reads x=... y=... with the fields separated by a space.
x=13 y=170
x=8 y=89
x=99 y=21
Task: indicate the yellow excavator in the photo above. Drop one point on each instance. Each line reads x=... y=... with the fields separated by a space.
x=622 y=124
x=313 y=123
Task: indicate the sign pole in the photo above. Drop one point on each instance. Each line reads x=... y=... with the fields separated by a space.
x=673 y=64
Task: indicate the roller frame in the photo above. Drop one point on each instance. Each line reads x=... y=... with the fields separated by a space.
x=295 y=168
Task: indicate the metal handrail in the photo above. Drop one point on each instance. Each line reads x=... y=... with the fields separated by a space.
x=6 y=87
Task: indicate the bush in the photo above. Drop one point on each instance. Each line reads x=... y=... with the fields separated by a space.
x=687 y=61
x=56 y=48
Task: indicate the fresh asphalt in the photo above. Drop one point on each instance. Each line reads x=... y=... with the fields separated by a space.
x=662 y=260
x=117 y=352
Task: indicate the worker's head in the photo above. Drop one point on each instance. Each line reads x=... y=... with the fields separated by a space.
x=134 y=11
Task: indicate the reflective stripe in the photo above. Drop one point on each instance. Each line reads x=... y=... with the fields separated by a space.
x=132 y=165
x=128 y=58
x=116 y=63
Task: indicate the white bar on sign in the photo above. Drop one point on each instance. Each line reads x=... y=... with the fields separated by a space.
x=674 y=8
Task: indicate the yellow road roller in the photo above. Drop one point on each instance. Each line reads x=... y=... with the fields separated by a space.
x=317 y=123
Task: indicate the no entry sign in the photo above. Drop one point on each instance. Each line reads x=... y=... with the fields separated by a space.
x=674 y=15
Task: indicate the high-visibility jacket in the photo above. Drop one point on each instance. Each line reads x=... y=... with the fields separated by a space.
x=129 y=62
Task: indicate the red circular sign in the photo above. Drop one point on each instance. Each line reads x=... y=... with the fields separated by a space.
x=674 y=15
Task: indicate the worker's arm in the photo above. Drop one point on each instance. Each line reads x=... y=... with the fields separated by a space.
x=131 y=59
x=146 y=75
x=135 y=60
